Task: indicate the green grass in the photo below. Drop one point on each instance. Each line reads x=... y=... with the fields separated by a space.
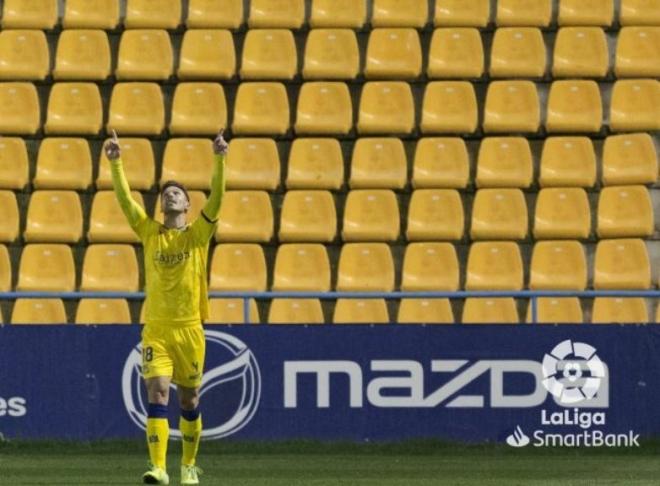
x=305 y=463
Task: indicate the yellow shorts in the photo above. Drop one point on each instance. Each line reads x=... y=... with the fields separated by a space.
x=177 y=352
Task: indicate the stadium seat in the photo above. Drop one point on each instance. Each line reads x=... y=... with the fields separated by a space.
x=103 y=311
x=494 y=265
x=394 y=53
x=144 y=55
x=38 y=311
x=536 y=13
x=188 y=161
x=499 y=214
x=360 y=311
x=586 y=12
x=629 y=159
x=517 y=52
x=558 y=265
x=365 y=267
x=24 y=55
x=441 y=162
x=303 y=267
x=295 y=311
x=245 y=216
x=107 y=223
x=74 y=108
x=197 y=202
x=136 y=109
x=455 y=53
x=425 y=311
x=46 y=267
x=63 y=163
x=308 y=216
x=637 y=54
x=14 y=169
x=490 y=311
x=9 y=219
x=574 y=106
x=230 y=311
x=324 y=108
x=386 y=107
x=198 y=109
x=91 y=14
x=54 y=217
x=622 y=264
x=207 y=54
x=29 y=14
x=435 y=214
x=580 y=52
x=147 y=14
x=625 y=212
x=110 y=267
x=214 y=14
x=378 y=163
x=139 y=165
x=462 y=13
x=238 y=267
x=618 y=310
x=430 y=267
x=19 y=109
x=252 y=163
x=504 y=162
x=350 y=14
x=284 y=14
x=449 y=107
x=371 y=215
x=639 y=12
x=568 y=162
x=82 y=55
x=562 y=212
x=395 y=13
x=315 y=163
x=261 y=108
x=5 y=270
x=511 y=106
x=552 y=310
x=331 y=54
x=635 y=105
x=269 y=54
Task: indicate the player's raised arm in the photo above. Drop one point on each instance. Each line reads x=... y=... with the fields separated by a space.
x=212 y=206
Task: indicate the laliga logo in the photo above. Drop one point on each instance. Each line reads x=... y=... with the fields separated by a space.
x=242 y=366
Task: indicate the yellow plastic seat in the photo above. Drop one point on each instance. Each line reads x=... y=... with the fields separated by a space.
x=107 y=223
x=378 y=163
x=435 y=214
x=393 y=54
x=82 y=55
x=398 y=13
x=188 y=161
x=103 y=311
x=622 y=264
x=574 y=106
x=238 y=267
x=197 y=202
x=29 y=14
x=441 y=162
x=207 y=54
x=625 y=212
x=568 y=162
x=629 y=159
x=639 y=12
x=462 y=13
x=230 y=311
x=24 y=55
x=586 y=12
x=91 y=14
x=5 y=270
x=14 y=169
x=504 y=162
x=494 y=265
x=54 y=217
x=580 y=52
x=490 y=311
x=303 y=267
x=360 y=311
x=9 y=219
x=308 y=216
x=386 y=107
x=619 y=310
x=284 y=14
x=147 y=14
x=635 y=105
x=245 y=216
x=350 y=14
x=261 y=108
x=371 y=215
x=456 y=53
x=252 y=163
x=425 y=311
x=530 y=13
x=19 y=109
x=449 y=107
x=324 y=108
x=512 y=106
x=63 y=163
x=38 y=311
x=110 y=267
x=74 y=108
x=295 y=311
x=552 y=310
x=331 y=54
x=366 y=267
x=198 y=109
x=499 y=214
x=315 y=163
x=214 y=14
x=139 y=166
x=136 y=109
x=430 y=266
x=517 y=52
x=637 y=53
x=144 y=55
x=269 y=54
x=562 y=212
x=558 y=265
x=46 y=267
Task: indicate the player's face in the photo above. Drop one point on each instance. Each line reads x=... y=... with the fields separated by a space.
x=174 y=200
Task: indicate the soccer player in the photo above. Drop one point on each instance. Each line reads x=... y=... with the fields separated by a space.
x=173 y=346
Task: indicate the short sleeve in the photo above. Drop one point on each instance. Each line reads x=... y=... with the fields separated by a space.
x=203 y=229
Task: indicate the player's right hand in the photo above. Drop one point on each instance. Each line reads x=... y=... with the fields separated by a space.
x=112 y=149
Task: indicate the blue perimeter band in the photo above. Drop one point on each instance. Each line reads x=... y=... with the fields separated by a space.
x=156 y=410
x=190 y=415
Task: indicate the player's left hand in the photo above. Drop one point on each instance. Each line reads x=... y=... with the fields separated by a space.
x=220 y=145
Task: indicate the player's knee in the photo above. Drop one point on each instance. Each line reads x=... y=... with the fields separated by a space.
x=159 y=395
x=189 y=401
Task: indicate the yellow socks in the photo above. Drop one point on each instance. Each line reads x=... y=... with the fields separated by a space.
x=158 y=433
x=191 y=430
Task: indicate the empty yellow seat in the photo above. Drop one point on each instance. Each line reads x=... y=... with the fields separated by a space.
x=5 y=270
x=574 y=106
x=245 y=216
x=386 y=107
x=46 y=267
x=499 y=214
x=198 y=109
x=517 y=52
x=74 y=108
x=252 y=163
x=635 y=105
x=586 y=12
x=462 y=13
x=295 y=311
x=494 y=265
x=558 y=265
x=441 y=162
x=490 y=311
x=371 y=215
x=19 y=109
x=136 y=109
x=301 y=267
x=629 y=159
x=197 y=202
x=308 y=216
x=103 y=311
x=188 y=161
x=139 y=165
x=535 y=13
x=238 y=267
x=269 y=54
x=91 y=14
x=324 y=108
x=568 y=161
x=82 y=55
x=63 y=163
x=107 y=223
x=360 y=311
x=261 y=108
x=580 y=52
x=624 y=212
x=38 y=311
x=331 y=54
x=637 y=53
x=435 y=214
x=286 y=14
x=504 y=162
x=24 y=55
x=365 y=267
x=552 y=310
x=512 y=106
x=54 y=217
x=425 y=311
x=315 y=163
x=338 y=13
x=230 y=311
x=9 y=220
x=214 y=14
x=622 y=264
x=397 y=13
x=456 y=53
x=430 y=266
x=449 y=107
x=109 y=267
x=378 y=163
x=29 y=14
x=207 y=54
x=639 y=12
x=562 y=212
x=619 y=310
x=14 y=169
x=147 y=14
x=144 y=55
x=393 y=54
